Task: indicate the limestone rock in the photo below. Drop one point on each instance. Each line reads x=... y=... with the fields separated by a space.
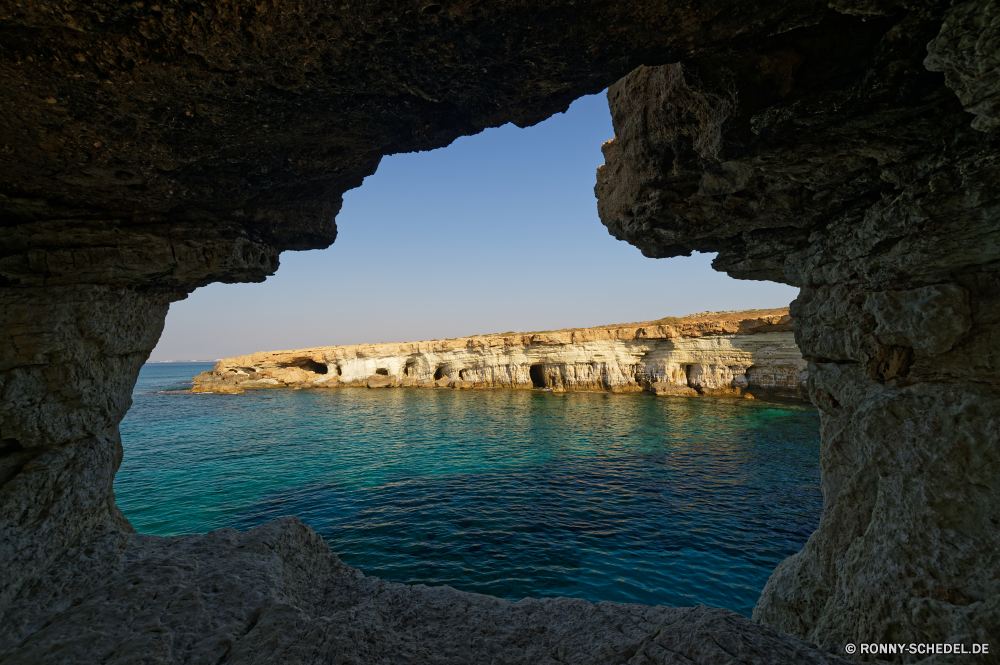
x=930 y=319
x=277 y=594
x=327 y=381
x=273 y=383
x=966 y=50
x=148 y=150
x=716 y=353
x=660 y=388
x=380 y=381
x=829 y=158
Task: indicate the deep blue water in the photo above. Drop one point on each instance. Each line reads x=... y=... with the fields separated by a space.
x=630 y=498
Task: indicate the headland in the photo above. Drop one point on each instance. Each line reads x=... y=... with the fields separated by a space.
x=744 y=353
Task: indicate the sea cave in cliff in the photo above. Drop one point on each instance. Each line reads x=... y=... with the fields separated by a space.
x=847 y=149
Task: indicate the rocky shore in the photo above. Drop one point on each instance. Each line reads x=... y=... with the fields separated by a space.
x=847 y=148
x=711 y=353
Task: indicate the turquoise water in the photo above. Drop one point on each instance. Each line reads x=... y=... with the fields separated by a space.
x=630 y=498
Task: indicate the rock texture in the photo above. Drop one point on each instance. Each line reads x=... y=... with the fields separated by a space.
x=834 y=158
x=148 y=149
x=710 y=353
x=276 y=594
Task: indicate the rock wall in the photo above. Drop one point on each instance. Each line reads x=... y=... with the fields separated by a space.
x=727 y=353
x=835 y=159
x=149 y=149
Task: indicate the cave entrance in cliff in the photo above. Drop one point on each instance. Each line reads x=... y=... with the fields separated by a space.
x=541 y=379
x=315 y=367
x=381 y=371
x=308 y=365
x=410 y=368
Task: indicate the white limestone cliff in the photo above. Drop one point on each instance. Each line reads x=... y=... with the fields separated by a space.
x=709 y=353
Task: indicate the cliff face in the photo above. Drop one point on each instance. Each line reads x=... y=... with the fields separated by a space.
x=730 y=353
x=836 y=158
x=847 y=147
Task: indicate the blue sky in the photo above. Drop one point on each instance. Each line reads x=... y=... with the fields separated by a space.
x=496 y=232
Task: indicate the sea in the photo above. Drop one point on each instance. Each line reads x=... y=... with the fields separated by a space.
x=514 y=493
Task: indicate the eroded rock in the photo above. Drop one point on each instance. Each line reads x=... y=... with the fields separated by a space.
x=146 y=150
x=669 y=388
x=965 y=50
x=710 y=353
x=830 y=158
x=277 y=594
x=380 y=381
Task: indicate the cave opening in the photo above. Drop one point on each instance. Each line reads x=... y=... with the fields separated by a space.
x=314 y=367
x=542 y=376
x=537 y=374
x=824 y=60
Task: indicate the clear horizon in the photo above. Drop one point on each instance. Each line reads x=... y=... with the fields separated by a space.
x=496 y=232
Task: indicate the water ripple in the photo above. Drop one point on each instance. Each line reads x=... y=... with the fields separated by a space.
x=628 y=498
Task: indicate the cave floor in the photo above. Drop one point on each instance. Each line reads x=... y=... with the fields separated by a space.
x=276 y=594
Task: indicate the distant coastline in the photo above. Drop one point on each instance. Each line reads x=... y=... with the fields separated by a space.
x=748 y=353
x=210 y=360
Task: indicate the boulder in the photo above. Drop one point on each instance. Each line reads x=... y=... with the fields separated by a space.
x=381 y=381
x=326 y=381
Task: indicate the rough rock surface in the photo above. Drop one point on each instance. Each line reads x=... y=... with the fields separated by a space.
x=148 y=149
x=276 y=594
x=715 y=353
x=830 y=158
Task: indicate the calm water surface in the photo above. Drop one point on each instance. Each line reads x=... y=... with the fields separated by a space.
x=629 y=498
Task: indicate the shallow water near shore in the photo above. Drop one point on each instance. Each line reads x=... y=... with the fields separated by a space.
x=514 y=493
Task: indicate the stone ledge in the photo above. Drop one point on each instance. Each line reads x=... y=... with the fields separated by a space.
x=276 y=594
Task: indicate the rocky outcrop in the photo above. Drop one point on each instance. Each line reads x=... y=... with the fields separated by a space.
x=713 y=353
x=276 y=594
x=831 y=159
x=148 y=149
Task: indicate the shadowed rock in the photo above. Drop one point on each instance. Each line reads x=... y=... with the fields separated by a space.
x=830 y=158
x=146 y=150
x=277 y=594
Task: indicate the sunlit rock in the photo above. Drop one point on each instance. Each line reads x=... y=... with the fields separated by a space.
x=712 y=353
